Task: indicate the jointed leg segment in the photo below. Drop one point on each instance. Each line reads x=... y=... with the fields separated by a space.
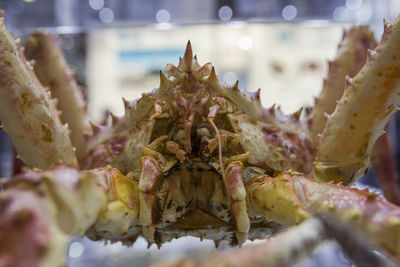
x=232 y=177
x=174 y=148
x=150 y=178
x=237 y=193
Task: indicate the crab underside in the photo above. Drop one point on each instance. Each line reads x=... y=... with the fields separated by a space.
x=194 y=157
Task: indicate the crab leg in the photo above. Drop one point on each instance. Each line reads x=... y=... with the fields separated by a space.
x=236 y=190
x=53 y=71
x=291 y=198
x=289 y=247
x=284 y=249
x=211 y=116
x=174 y=148
x=354 y=245
x=28 y=113
x=152 y=164
x=149 y=180
x=370 y=98
x=41 y=210
x=386 y=170
x=233 y=182
x=351 y=56
x=39 y=214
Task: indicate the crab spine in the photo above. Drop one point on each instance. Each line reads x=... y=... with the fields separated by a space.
x=28 y=113
x=370 y=98
x=53 y=71
x=351 y=56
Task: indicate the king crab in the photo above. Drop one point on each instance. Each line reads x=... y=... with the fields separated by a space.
x=193 y=157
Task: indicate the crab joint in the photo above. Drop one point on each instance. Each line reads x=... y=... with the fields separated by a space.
x=158 y=108
x=150 y=176
x=233 y=181
x=174 y=148
x=150 y=150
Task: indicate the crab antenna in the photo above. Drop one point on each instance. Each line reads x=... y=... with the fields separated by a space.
x=188 y=57
x=211 y=116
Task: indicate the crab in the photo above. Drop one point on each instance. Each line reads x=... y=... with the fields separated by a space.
x=193 y=157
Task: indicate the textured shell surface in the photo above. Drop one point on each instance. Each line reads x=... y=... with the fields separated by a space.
x=190 y=89
x=194 y=126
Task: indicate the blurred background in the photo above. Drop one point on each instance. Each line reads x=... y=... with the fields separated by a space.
x=119 y=46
